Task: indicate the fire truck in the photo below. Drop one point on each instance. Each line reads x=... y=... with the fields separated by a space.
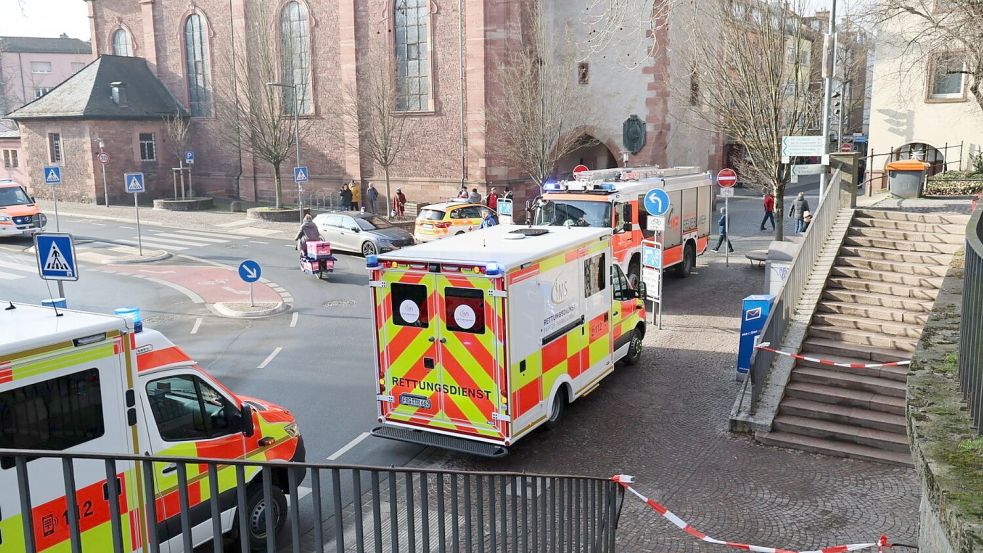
x=614 y=199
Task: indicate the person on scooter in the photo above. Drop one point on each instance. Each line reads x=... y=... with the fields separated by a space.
x=308 y=231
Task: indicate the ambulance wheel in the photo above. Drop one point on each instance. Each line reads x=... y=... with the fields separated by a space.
x=557 y=408
x=684 y=269
x=634 y=348
x=368 y=249
x=256 y=513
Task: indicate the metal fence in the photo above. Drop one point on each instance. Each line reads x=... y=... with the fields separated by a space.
x=348 y=508
x=971 y=325
x=951 y=160
x=787 y=300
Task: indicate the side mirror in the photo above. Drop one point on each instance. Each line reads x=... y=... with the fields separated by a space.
x=626 y=227
x=246 y=416
x=641 y=292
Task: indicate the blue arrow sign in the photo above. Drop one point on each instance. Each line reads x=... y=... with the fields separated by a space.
x=56 y=256
x=250 y=271
x=301 y=174
x=657 y=202
x=52 y=175
x=134 y=182
x=189 y=157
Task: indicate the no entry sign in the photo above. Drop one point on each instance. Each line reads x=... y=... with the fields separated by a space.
x=727 y=178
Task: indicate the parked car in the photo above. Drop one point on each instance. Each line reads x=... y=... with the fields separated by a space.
x=449 y=219
x=361 y=232
x=20 y=215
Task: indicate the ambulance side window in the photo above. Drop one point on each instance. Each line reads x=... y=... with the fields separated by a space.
x=621 y=289
x=409 y=303
x=186 y=408
x=55 y=414
x=464 y=310
x=594 y=275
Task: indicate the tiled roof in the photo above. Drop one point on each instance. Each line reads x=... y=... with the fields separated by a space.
x=42 y=45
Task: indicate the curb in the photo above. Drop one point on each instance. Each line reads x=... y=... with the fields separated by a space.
x=162 y=255
x=225 y=309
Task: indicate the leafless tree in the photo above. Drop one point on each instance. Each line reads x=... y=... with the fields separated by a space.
x=251 y=113
x=371 y=108
x=751 y=83
x=535 y=107
x=177 y=132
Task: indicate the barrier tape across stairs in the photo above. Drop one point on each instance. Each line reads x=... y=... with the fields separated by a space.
x=624 y=481
x=767 y=347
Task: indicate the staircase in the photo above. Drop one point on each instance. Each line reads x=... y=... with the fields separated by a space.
x=876 y=300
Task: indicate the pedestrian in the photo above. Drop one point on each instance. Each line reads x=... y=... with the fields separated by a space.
x=488 y=220
x=492 y=200
x=372 y=195
x=722 y=231
x=508 y=193
x=356 y=195
x=797 y=211
x=346 y=197
x=463 y=192
x=399 y=204
x=806 y=219
x=769 y=205
x=474 y=197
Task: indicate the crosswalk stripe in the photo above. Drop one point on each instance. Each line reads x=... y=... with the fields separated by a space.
x=175 y=241
x=9 y=276
x=18 y=267
x=212 y=235
x=190 y=238
x=154 y=245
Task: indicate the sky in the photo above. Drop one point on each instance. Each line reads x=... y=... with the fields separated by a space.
x=46 y=18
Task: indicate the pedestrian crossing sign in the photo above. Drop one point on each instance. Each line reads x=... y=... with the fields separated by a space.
x=134 y=182
x=56 y=256
x=301 y=174
x=52 y=175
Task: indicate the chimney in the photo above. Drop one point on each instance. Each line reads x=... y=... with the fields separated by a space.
x=118 y=93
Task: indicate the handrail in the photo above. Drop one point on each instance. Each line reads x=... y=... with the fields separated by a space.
x=970 y=361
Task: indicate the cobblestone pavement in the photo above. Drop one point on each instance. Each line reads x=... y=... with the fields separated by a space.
x=665 y=422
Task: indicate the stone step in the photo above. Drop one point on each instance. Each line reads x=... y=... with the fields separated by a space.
x=855 y=416
x=872 y=312
x=885 y=254
x=821 y=347
x=909 y=226
x=897 y=290
x=835 y=448
x=878 y=326
x=901 y=267
x=914 y=305
x=863 y=337
x=848 y=398
x=900 y=245
x=886 y=276
x=907 y=236
x=851 y=381
x=896 y=373
x=819 y=428
x=931 y=218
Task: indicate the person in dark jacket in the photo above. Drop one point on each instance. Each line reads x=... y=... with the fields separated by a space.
x=769 y=205
x=722 y=231
x=797 y=211
x=346 y=197
x=308 y=232
x=372 y=195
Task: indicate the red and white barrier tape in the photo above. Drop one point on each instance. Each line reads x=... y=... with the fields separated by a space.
x=625 y=480
x=766 y=347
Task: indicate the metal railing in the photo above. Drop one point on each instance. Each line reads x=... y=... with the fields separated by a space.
x=971 y=321
x=787 y=300
x=876 y=162
x=348 y=508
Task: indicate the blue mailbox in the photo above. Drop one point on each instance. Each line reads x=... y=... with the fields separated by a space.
x=753 y=316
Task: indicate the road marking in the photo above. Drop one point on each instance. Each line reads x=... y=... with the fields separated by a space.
x=190 y=238
x=195 y=298
x=234 y=223
x=153 y=245
x=257 y=242
x=358 y=439
x=10 y=276
x=98 y=224
x=19 y=267
x=131 y=228
x=270 y=358
x=194 y=329
x=191 y=241
x=293 y=319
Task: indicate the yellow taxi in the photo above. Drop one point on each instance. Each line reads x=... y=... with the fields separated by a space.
x=448 y=219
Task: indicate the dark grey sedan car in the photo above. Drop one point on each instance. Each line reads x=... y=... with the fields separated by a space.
x=361 y=232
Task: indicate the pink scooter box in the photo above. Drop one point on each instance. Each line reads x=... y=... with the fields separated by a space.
x=318 y=249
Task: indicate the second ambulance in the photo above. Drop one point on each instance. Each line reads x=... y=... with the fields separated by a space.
x=484 y=337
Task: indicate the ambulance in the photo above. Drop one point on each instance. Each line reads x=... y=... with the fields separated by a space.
x=614 y=199
x=90 y=383
x=484 y=337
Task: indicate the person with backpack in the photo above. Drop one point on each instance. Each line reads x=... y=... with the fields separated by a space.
x=798 y=210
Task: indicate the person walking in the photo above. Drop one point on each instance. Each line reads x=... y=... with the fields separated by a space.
x=798 y=210
x=474 y=197
x=492 y=200
x=346 y=197
x=356 y=195
x=722 y=231
x=769 y=205
x=399 y=203
x=372 y=195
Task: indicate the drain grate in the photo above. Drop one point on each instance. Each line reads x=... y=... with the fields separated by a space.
x=339 y=303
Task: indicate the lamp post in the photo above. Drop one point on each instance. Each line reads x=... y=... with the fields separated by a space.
x=300 y=201
x=829 y=63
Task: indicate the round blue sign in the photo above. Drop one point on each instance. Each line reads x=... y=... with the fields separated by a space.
x=657 y=202
x=249 y=271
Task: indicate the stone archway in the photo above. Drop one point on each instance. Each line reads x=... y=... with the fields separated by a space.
x=592 y=152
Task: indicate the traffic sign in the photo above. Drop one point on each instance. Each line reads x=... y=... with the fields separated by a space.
x=657 y=224
x=103 y=158
x=652 y=255
x=726 y=192
x=189 y=157
x=657 y=202
x=134 y=182
x=846 y=147
x=301 y=174
x=250 y=271
x=52 y=175
x=802 y=146
x=56 y=256
x=580 y=169
x=727 y=178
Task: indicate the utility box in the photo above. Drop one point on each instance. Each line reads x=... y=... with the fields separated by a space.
x=905 y=178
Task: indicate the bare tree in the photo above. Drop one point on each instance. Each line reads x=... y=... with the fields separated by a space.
x=252 y=114
x=534 y=108
x=177 y=131
x=372 y=109
x=751 y=83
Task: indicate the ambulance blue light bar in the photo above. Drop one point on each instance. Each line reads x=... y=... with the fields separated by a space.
x=554 y=187
x=493 y=269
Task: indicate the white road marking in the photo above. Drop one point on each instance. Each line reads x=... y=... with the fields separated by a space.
x=270 y=358
x=293 y=319
x=194 y=329
x=190 y=242
x=234 y=223
x=98 y=224
x=19 y=267
x=10 y=276
x=257 y=242
x=195 y=298
x=131 y=228
x=357 y=440
x=180 y=236
x=154 y=245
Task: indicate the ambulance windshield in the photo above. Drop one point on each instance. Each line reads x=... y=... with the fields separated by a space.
x=582 y=213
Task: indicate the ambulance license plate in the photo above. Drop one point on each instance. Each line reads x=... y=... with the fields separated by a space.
x=414 y=401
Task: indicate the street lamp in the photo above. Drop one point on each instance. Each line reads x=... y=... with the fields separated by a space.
x=300 y=201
